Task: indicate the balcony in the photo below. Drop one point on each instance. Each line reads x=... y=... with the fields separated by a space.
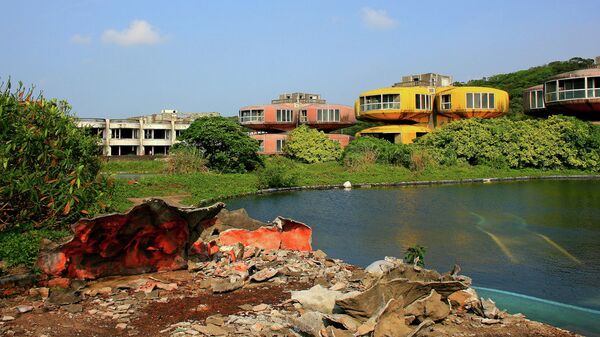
x=380 y=106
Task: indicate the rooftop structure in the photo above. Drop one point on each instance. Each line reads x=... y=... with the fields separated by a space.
x=143 y=135
x=426 y=80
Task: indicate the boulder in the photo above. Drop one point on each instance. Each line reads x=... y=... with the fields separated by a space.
x=390 y=322
x=316 y=298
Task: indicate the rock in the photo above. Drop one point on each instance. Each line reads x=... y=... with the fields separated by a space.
x=489 y=308
x=379 y=267
x=61 y=282
x=211 y=330
x=391 y=321
x=346 y=321
x=464 y=299
x=365 y=328
x=7 y=318
x=276 y=327
x=123 y=307
x=73 y=308
x=224 y=285
x=260 y=307
x=316 y=298
x=430 y=307
x=166 y=286
x=264 y=274
x=310 y=322
x=21 y=309
x=490 y=321
x=347 y=184
x=59 y=296
x=246 y=307
x=121 y=326
x=257 y=327
x=335 y=332
x=215 y=320
x=319 y=254
x=42 y=292
x=338 y=286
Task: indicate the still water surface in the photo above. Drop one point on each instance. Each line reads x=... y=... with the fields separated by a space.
x=540 y=238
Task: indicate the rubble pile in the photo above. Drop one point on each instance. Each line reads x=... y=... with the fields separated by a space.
x=241 y=277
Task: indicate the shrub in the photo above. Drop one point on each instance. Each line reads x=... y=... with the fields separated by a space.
x=359 y=161
x=23 y=248
x=383 y=151
x=553 y=143
x=49 y=167
x=415 y=254
x=185 y=159
x=278 y=172
x=223 y=144
x=311 y=146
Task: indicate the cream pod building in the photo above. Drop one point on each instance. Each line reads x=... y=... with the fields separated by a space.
x=144 y=135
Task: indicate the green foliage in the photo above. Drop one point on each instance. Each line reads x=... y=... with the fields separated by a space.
x=278 y=172
x=358 y=126
x=415 y=254
x=185 y=159
x=223 y=144
x=21 y=248
x=49 y=168
x=555 y=143
x=112 y=165
x=311 y=146
x=514 y=83
x=381 y=150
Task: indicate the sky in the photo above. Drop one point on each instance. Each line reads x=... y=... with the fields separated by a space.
x=116 y=59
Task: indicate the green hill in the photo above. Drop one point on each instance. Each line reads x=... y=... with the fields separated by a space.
x=515 y=82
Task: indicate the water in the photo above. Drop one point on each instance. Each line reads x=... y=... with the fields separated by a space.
x=538 y=238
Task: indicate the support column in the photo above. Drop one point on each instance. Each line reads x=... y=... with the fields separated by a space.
x=141 y=150
x=107 y=137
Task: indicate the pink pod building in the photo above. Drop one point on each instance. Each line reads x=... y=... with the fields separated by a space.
x=272 y=122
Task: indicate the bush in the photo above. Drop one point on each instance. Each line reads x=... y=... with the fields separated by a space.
x=277 y=173
x=223 y=144
x=185 y=159
x=49 y=167
x=311 y=146
x=23 y=248
x=415 y=255
x=383 y=151
x=555 y=143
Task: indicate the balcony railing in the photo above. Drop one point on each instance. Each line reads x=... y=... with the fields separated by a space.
x=252 y=119
x=565 y=95
x=380 y=106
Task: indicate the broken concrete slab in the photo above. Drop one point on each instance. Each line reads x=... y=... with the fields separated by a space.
x=390 y=322
x=150 y=237
x=430 y=307
x=317 y=298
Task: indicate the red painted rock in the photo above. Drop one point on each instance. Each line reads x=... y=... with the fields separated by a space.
x=60 y=282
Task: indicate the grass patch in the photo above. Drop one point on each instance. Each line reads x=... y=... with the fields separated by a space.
x=212 y=185
x=134 y=166
x=22 y=248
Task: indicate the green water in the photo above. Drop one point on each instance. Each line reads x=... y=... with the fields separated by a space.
x=537 y=238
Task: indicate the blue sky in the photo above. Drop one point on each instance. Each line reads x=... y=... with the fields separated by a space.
x=125 y=58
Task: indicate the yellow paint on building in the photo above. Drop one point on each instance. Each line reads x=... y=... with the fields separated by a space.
x=401 y=133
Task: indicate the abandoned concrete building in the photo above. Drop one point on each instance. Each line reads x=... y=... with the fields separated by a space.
x=143 y=135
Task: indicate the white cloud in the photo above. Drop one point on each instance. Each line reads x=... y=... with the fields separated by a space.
x=81 y=39
x=139 y=32
x=377 y=18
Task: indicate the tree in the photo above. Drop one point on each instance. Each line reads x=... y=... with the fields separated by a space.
x=50 y=169
x=223 y=144
x=311 y=146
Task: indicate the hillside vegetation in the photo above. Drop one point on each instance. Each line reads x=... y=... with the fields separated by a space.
x=514 y=83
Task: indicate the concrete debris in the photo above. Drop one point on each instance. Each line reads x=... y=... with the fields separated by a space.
x=241 y=285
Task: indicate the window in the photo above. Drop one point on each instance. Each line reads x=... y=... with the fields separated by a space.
x=285 y=115
x=251 y=116
x=124 y=133
x=148 y=134
x=571 y=88
x=280 y=145
x=479 y=100
x=536 y=99
x=594 y=87
x=261 y=146
x=422 y=102
x=377 y=102
x=303 y=116
x=445 y=102
x=391 y=101
x=328 y=115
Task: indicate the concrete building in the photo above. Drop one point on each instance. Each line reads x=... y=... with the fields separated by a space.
x=575 y=93
x=142 y=135
x=272 y=122
x=420 y=103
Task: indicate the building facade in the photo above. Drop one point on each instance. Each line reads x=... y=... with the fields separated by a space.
x=272 y=122
x=575 y=93
x=420 y=103
x=144 y=135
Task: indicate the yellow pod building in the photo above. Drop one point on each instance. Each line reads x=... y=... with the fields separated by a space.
x=419 y=103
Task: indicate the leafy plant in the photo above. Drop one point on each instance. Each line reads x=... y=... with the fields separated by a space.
x=278 y=172
x=415 y=255
x=383 y=151
x=223 y=144
x=185 y=159
x=311 y=146
x=22 y=248
x=49 y=168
